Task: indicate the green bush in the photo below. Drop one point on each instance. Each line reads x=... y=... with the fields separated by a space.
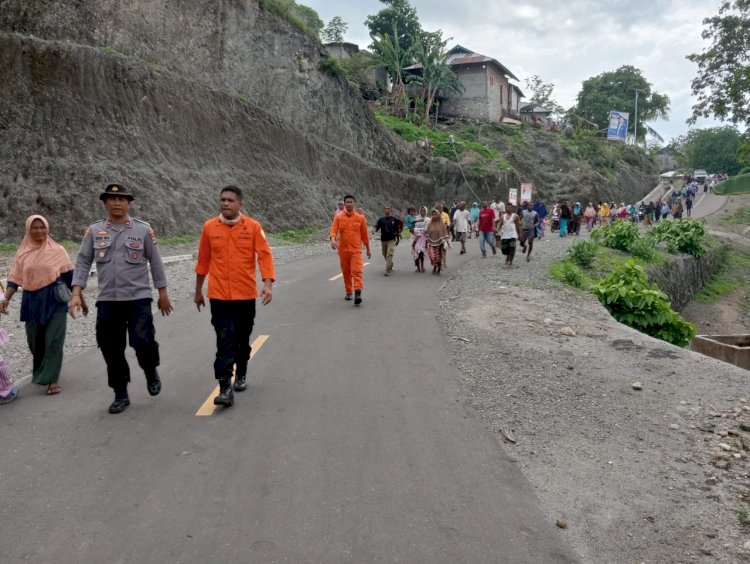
x=568 y=273
x=643 y=248
x=620 y=235
x=583 y=253
x=631 y=300
x=681 y=236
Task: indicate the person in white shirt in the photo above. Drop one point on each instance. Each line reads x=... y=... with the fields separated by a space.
x=461 y=225
x=509 y=228
x=499 y=208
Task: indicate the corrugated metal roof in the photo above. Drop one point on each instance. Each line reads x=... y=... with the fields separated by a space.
x=463 y=56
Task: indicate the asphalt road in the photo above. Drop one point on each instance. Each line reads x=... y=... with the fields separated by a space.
x=351 y=445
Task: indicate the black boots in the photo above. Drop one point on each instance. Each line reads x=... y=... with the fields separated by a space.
x=121 y=402
x=357 y=297
x=153 y=382
x=240 y=383
x=226 y=395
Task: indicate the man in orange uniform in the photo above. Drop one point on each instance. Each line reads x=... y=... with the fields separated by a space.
x=226 y=253
x=348 y=234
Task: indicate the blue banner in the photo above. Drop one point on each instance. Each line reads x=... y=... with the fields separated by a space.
x=618 y=126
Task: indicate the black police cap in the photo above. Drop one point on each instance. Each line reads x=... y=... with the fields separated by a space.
x=116 y=190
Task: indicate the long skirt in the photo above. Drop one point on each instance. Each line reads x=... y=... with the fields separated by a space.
x=437 y=255
x=419 y=246
x=46 y=343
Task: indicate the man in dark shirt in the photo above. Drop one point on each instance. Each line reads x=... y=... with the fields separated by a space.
x=390 y=234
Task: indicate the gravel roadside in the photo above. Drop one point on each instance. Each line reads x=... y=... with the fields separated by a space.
x=658 y=474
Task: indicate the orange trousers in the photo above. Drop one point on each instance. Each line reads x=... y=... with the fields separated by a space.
x=351 y=268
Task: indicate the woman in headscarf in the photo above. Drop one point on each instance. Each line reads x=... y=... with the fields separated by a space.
x=44 y=270
x=589 y=214
x=541 y=211
x=437 y=237
x=418 y=239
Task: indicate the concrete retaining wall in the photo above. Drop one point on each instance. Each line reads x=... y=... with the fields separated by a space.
x=682 y=276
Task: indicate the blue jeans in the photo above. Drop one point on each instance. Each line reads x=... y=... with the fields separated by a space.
x=488 y=237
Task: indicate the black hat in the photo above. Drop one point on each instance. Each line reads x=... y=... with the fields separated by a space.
x=116 y=190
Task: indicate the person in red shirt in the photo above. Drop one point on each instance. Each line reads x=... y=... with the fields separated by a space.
x=227 y=252
x=348 y=234
x=487 y=229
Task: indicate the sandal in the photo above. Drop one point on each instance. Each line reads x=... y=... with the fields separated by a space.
x=53 y=389
x=10 y=397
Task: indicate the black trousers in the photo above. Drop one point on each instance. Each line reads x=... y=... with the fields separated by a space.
x=233 y=322
x=113 y=321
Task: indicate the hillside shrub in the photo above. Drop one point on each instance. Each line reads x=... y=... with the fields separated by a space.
x=681 y=236
x=643 y=248
x=618 y=235
x=631 y=300
x=583 y=253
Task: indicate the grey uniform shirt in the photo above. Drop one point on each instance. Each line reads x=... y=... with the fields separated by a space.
x=122 y=252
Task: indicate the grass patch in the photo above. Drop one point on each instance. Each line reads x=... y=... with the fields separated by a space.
x=740 y=217
x=296 y=237
x=736 y=185
x=285 y=10
x=733 y=274
x=179 y=240
x=440 y=140
x=137 y=58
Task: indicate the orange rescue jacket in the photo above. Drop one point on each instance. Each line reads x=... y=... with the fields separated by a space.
x=226 y=253
x=353 y=230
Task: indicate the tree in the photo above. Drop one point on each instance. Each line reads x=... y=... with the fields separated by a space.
x=309 y=17
x=723 y=80
x=390 y=56
x=541 y=94
x=429 y=51
x=616 y=90
x=715 y=149
x=335 y=30
x=400 y=16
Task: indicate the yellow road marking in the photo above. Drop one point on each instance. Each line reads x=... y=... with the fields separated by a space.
x=341 y=275
x=208 y=407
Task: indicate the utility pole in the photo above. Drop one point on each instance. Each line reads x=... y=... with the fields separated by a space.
x=635 y=123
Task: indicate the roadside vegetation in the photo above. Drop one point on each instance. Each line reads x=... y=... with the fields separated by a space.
x=733 y=274
x=440 y=140
x=740 y=217
x=297 y=236
x=612 y=265
x=736 y=185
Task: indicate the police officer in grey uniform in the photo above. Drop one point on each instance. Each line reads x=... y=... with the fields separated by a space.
x=122 y=248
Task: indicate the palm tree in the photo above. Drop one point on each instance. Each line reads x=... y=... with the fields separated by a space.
x=390 y=56
x=429 y=52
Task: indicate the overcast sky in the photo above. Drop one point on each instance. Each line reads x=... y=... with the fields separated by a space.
x=566 y=42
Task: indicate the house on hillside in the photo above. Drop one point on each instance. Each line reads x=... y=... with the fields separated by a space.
x=535 y=113
x=489 y=96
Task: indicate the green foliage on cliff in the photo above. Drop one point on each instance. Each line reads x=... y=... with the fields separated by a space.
x=302 y=17
x=441 y=140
